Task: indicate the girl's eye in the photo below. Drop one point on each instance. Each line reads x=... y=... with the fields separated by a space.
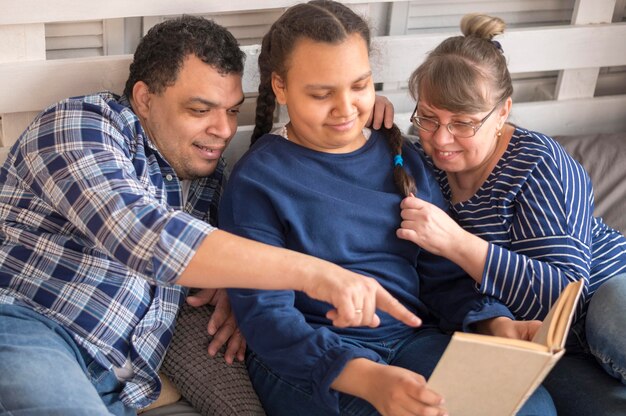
x=234 y=111
x=320 y=97
x=199 y=110
x=360 y=87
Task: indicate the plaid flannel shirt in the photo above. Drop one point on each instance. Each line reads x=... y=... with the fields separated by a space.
x=93 y=234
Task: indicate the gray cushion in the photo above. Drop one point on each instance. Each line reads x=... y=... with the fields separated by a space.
x=212 y=386
x=604 y=158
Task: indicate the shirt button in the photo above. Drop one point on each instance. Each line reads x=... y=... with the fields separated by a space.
x=134 y=338
x=169 y=177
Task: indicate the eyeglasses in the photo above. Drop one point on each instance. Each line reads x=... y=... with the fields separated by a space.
x=457 y=128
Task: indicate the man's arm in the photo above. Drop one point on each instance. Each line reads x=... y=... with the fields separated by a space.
x=226 y=260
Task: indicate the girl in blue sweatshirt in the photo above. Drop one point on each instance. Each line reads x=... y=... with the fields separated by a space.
x=326 y=186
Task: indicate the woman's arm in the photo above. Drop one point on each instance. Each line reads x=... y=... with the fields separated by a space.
x=550 y=240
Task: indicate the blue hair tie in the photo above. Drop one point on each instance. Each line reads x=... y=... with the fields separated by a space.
x=398 y=161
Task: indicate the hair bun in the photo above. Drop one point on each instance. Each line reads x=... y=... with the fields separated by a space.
x=482 y=25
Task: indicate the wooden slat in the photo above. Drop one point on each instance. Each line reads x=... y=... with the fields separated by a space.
x=42 y=83
x=580 y=83
x=570 y=47
x=37 y=11
x=439 y=8
x=56 y=79
x=526 y=49
x=13 y=125
x=22 y=42
x=64 y=29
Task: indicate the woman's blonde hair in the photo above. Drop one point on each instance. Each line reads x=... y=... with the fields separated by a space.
x=468 y=73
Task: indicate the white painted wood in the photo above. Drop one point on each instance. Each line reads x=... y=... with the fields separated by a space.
x=581 y=82
x=36 y=11
x=459 y=8
x=4 y=151
x=13 y=124
x=56 y=79
x=113 y=37
x=577 y=83
x=74 y=42
x=577 y=116
x=65 y=29
x=399 y=18
x=526 y=49
x=593 y=11
x=393 y=59
x=22 y=42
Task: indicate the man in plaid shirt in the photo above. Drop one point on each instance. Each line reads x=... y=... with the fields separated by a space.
x=108 y=212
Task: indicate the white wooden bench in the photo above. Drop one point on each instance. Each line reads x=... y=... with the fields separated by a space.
x=30 y=82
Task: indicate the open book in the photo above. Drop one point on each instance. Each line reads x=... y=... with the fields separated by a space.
x=487 y=375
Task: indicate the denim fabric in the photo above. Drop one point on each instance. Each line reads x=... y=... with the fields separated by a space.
x=419 y=353
x=605 y=326
x=578 y=384
x=579 y=387
x=43 y=372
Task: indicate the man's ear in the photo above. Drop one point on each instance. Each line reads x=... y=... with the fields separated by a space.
x=141 y=98
x=278 y=85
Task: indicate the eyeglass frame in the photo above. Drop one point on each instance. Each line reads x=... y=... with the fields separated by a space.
x=475 y=127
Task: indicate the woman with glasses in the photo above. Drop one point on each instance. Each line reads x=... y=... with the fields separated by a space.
x=522 y=221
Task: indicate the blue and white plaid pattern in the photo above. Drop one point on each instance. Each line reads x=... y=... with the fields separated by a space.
x=93 y=235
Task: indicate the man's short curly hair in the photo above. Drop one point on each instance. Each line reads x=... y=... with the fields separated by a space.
x=162 y=51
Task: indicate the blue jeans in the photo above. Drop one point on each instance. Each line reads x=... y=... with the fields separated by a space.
x=605 y=326
x=586 y=381
x=280 y=397
x=44 y=372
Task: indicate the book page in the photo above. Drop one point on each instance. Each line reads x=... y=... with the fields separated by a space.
x=553 y=331
x=510 y=342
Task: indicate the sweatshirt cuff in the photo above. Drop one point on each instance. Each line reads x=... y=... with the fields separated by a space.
x=327 y=370
x=491 y=308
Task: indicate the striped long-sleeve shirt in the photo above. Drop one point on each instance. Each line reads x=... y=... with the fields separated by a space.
x=93 y=233
x=536 y=211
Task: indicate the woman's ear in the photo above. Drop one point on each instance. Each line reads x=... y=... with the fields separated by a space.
x=141 y=98
x=504 y=112
x=278 y=86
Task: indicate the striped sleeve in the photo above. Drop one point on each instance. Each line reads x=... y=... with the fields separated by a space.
x=550 y=236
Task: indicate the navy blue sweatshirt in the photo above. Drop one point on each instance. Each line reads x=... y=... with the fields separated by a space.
x=344 y=208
